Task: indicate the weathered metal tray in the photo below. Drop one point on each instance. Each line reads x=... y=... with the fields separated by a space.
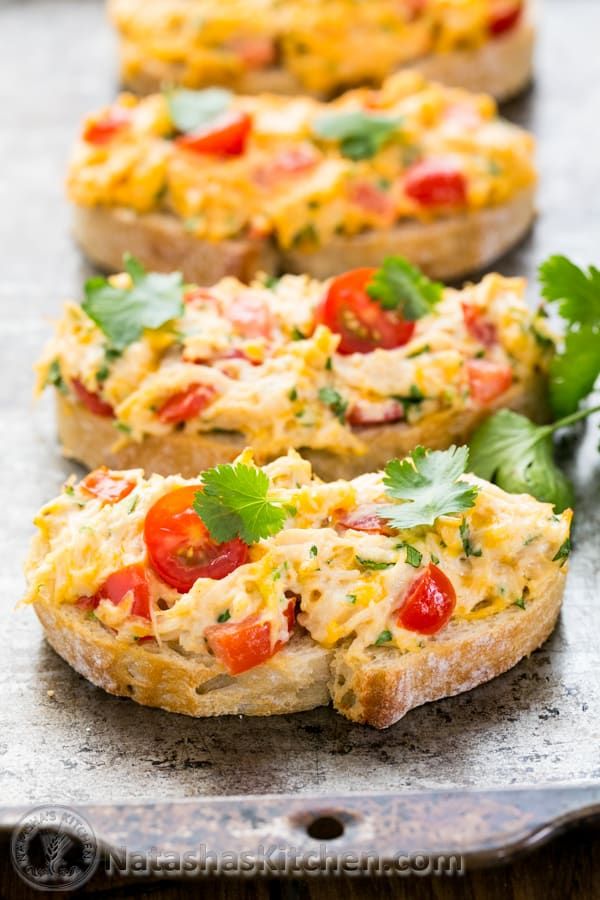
x=485 y=773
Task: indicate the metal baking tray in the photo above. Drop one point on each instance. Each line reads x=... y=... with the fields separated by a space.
x=482 y=774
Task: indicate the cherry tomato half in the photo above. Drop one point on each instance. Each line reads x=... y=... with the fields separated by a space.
x=428 y=603
x=226 y=136
x=364 y=414
x=103 y=130
x=186 y=404
x=436 y=182
x=243 y=645
x=106 y=485
x=363 y=324
x=130 y=579
x=505 y=17
x=180 y=547
x=488 y=379
x=364 y=518
x=92 y=401
x=255 y=51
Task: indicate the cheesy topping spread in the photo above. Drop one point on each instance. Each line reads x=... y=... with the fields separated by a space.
x=265 y=370
x=302 y=172
x=348 y=584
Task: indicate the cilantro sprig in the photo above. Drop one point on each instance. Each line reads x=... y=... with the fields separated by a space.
x=360 y=135
x=512 y=450
x=123 y=313
x=234 y=503
x=575 y=369
x=190 y=110
x=429 y=483
x=398 y=285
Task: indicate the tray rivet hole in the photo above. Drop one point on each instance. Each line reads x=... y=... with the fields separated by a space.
x=325 y=828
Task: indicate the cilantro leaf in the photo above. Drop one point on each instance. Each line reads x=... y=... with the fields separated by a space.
x=123 y=313
x=398 y=285
x=359 y=134
x=518 y=456
x=576 y=367
x=190 y=110
x=429 y=481
x=234 y=503
x=334 y=400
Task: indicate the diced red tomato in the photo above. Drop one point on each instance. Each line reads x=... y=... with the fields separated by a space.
x=255 y=51
x=186 y=404
x=92 y=401
x=364 y=518
x=478 y=326
x=363 y=413
x=363 y=324
x=505 y=16
x=128 y=580
x=101 y=131
x=287 y=162
x=180 y=547
x=428 y=603
x=436 y=182
x=225 y=136
x=373 y=200
x=243 y=645
x=106 y=485
x=488 y=379
x=198 y=295
x=250 y=316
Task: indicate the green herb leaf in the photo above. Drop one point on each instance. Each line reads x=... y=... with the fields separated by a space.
x=314 y=550
x=123 y=313
x=334 y=400
x=465 y=536
x=575 y=369
x=563 y=552
x=398 y=285
x=384 y=638
x=374 y=564
x=518 y=456
x=190 y=110
x=360 y=135
x=54 y=377
x=520 y=603
x=414 y=557
x=224 y=617
x=429 y=481
x=234 y=503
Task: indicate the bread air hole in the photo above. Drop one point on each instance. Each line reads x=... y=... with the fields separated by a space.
x=348 y=699
x=214 y=684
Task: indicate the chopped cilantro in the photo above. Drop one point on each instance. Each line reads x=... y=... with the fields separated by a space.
x=563 y=552
x=465 y=536
x=384 y=638
x=54 y=377
x=224 y=617
x=360 y=134
x=190 y=110
x=373 y=563
x=401 y=287
x=314 y=551
x=334 y=400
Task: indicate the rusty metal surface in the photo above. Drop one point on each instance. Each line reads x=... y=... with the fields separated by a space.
x=537 y=725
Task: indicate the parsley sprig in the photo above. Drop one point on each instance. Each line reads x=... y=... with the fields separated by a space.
x=575 y=369
x=398 y=285
x=509 y=448
x=234 y=503
x=360 y=135
x=123 y=313
x=429 y=483
x=190 y=110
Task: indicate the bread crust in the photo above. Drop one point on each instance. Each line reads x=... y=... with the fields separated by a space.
x=304 y=675
x=445 y=249
x=501 y=67
x=90 y=439
x=462 y=657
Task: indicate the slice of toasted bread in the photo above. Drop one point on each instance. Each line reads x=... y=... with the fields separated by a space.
x=304 y=675
x=501 y=67
x=91 y=439
x=447 y=249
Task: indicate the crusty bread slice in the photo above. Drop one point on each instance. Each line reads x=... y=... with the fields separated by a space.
x=304 y=675
x=90 y=439
x=501 y=67
x=445 y=249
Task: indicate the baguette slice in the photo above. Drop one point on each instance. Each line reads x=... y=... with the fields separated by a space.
x=501 y=67
x=363 y=655
x=448 y=248
x=304 y=675
x=90 y=439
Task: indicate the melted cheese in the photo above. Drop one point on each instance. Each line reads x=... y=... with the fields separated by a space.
x=259 y=193
x=350 y=583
